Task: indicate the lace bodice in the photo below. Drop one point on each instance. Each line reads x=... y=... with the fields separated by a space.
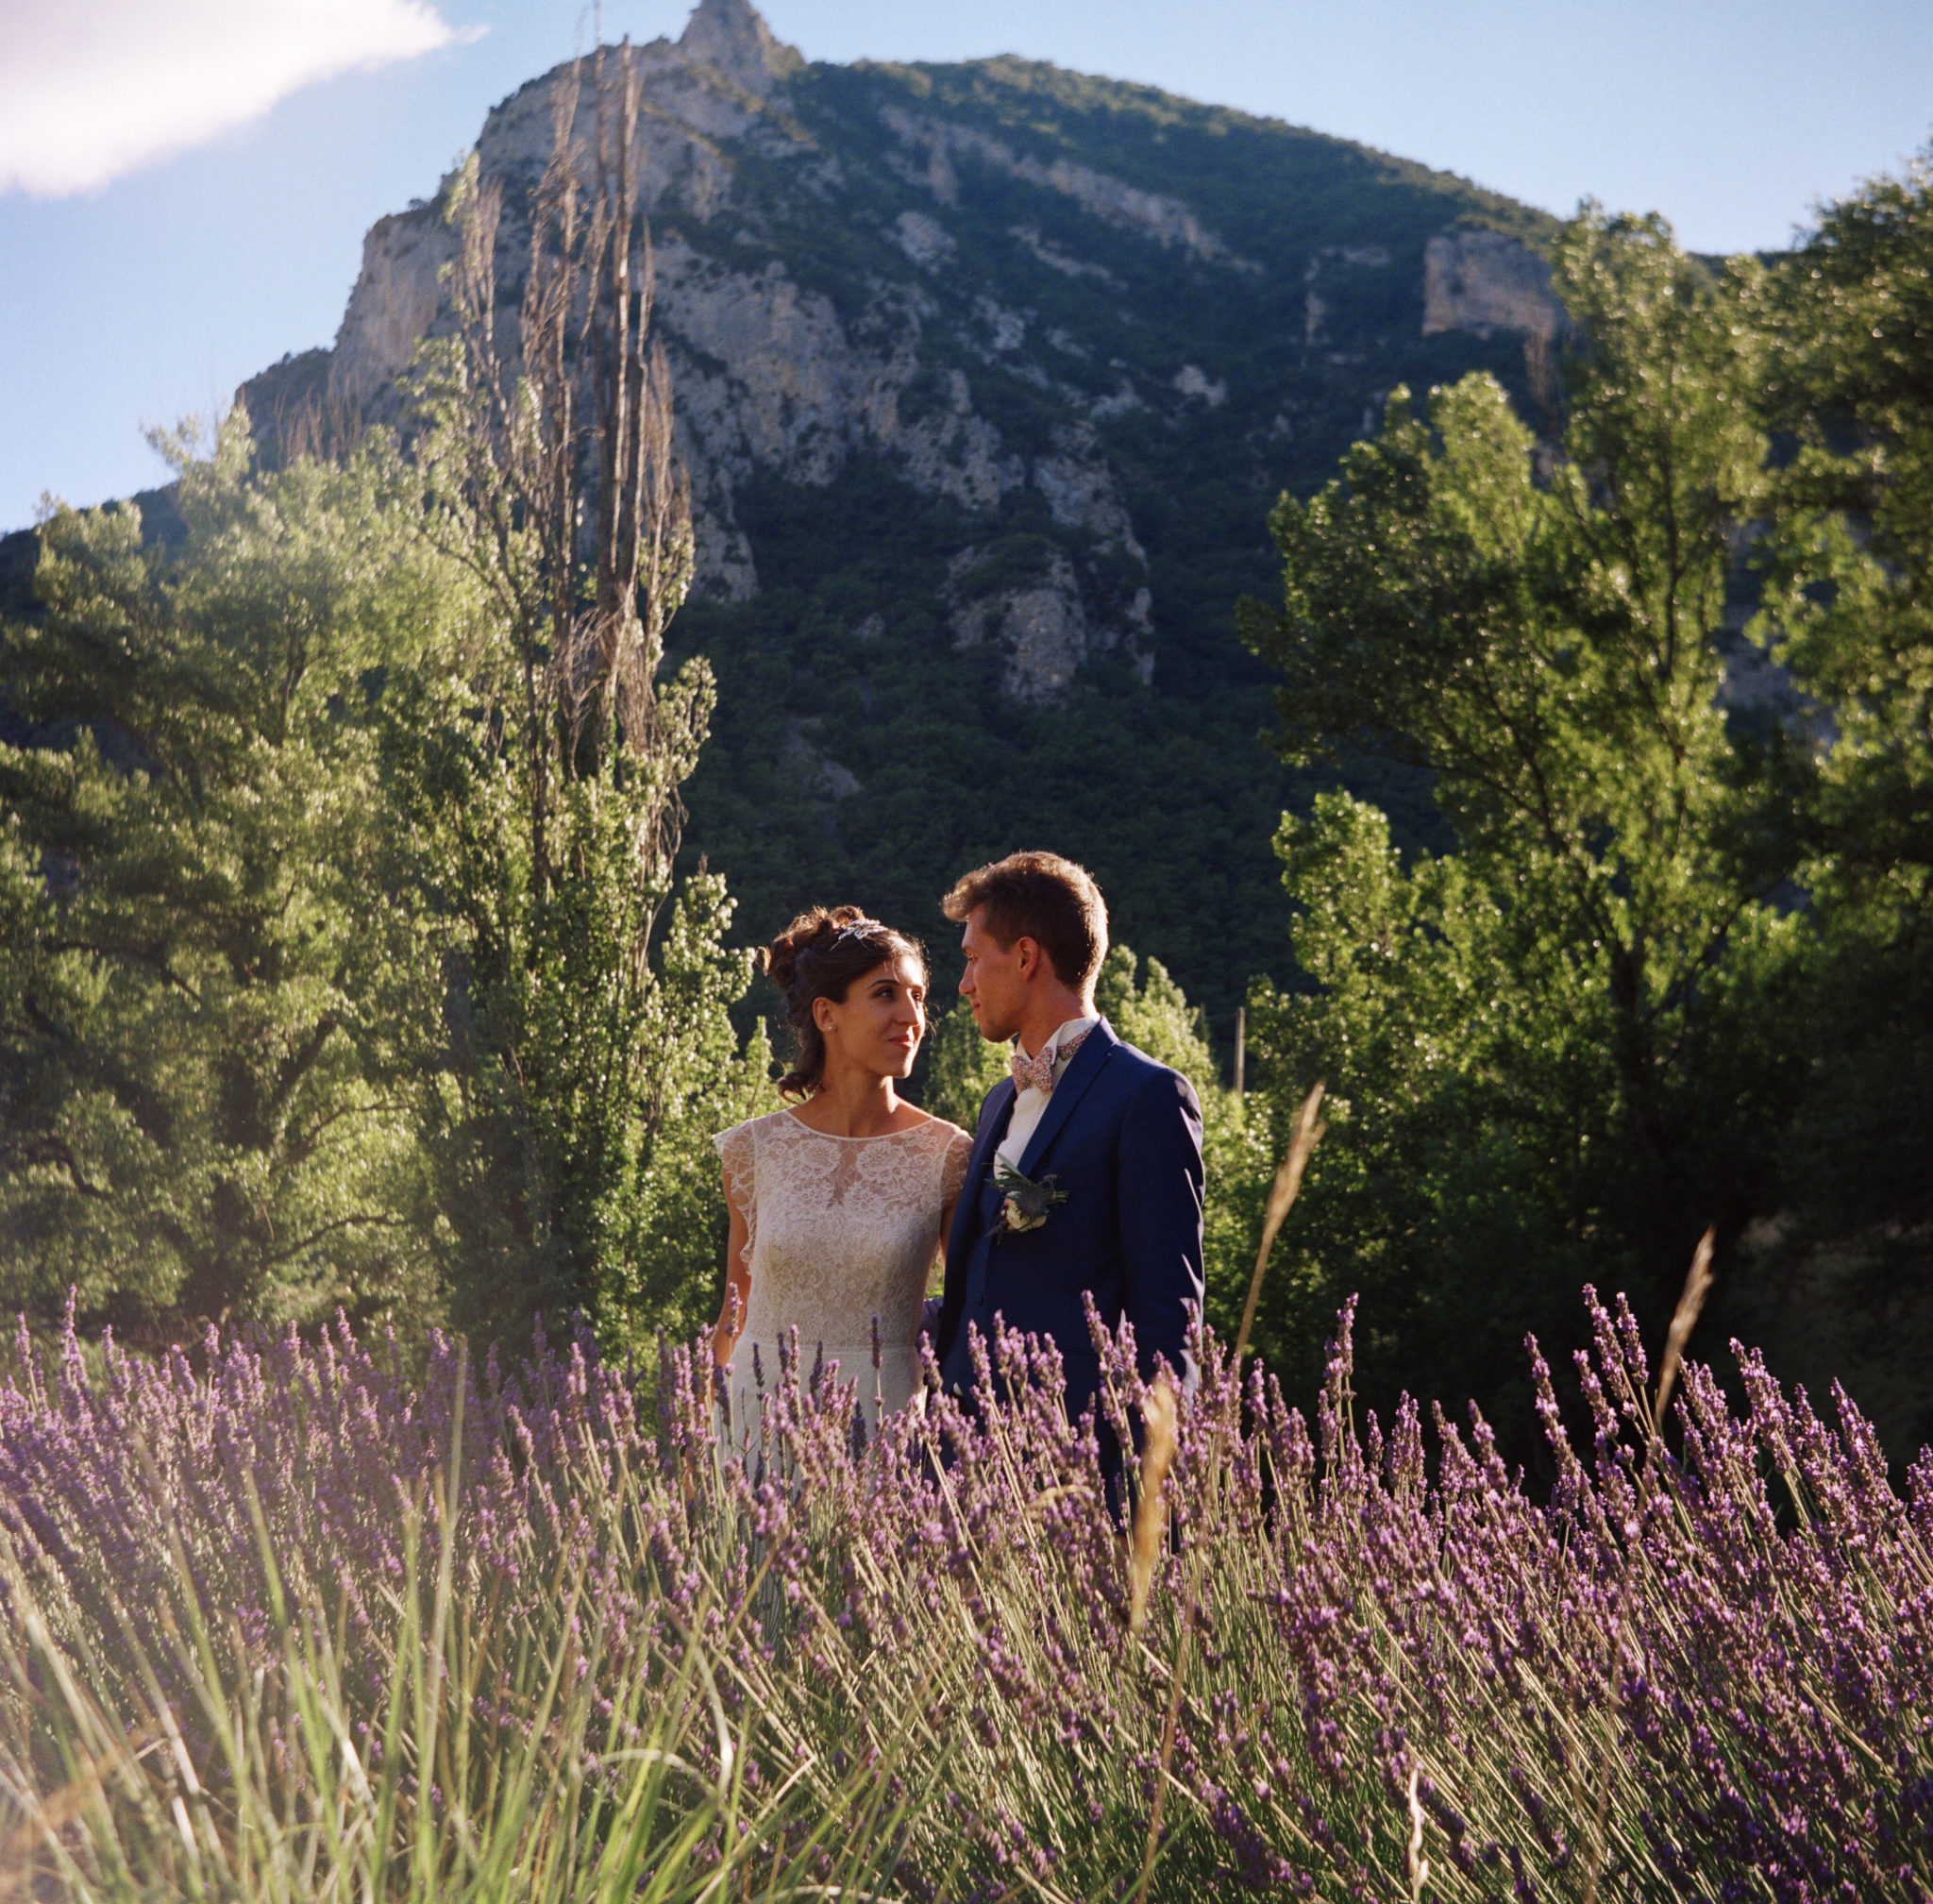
x=840 y=1230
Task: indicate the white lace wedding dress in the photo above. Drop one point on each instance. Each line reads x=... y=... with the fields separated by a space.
x=841 y=1232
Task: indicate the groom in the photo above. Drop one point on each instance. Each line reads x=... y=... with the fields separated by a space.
x=1108 y=1142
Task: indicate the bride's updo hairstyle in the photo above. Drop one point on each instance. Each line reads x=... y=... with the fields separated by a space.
x=817 y=956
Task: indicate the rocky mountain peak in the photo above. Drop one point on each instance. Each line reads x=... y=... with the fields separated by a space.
x=985 y=378
x=730 y=36
x=937 y=280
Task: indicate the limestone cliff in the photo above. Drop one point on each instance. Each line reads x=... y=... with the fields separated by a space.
x=1484 y=282
x=985 y=377
x=781 y=374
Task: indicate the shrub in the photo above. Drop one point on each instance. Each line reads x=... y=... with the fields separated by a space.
x=262 y=1606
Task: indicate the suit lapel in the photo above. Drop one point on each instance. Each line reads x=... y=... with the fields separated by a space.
x=1080 y=1072
x=971 y=1214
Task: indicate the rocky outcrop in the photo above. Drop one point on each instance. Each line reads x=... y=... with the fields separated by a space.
x=936 y=143
x=813 y=773
x=394 y=302
x=1040 y=625
x=924 y=240
x=1320 y=276
x=771 y=379
x=1051 y=254
x=698 y=93
x=286 y=402
x=877 y=272
x=1192 y=381
x=1039 y=622
x=731 y=38
x=1080 y=491
x=1484 y=281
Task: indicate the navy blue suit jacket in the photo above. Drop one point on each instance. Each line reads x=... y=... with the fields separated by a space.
x=1123 y=1137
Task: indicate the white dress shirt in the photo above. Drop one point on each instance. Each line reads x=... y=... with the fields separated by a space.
x=1030 y=1104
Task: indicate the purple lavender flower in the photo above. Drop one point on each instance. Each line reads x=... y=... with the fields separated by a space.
x=1697 y=1676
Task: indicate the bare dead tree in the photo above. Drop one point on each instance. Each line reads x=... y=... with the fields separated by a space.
x=319 y=425
x=565 y=468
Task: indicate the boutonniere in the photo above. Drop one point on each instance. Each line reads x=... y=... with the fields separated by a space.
x=1024 y=1203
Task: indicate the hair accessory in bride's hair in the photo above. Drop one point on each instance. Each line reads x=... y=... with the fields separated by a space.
x=860 y=928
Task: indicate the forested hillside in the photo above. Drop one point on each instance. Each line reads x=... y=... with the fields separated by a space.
x=986 y=376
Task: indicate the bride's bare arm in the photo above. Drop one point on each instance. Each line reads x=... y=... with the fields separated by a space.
x=955 y=1181
x=939 y=1248
x=737 y=1285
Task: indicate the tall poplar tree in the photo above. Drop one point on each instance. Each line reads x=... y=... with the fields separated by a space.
x=590 y=1049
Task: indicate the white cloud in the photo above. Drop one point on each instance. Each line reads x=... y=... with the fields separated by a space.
x=92 y=88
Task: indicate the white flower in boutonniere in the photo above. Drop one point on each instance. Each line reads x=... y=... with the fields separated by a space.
x=1024 y=1203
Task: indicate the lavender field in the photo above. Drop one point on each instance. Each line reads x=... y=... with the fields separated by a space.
x=284 y=1623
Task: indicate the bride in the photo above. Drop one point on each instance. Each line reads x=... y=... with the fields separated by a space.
x=841 y=1201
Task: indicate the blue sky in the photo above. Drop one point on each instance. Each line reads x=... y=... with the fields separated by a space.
x=149 y=298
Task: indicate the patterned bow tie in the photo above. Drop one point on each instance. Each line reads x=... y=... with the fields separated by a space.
x=1036 y=1075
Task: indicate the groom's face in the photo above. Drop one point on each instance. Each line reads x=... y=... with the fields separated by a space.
x=995 y=981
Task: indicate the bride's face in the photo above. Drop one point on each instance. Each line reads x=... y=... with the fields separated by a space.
x=877 y=1027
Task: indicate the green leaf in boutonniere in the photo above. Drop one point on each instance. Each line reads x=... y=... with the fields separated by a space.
x=1024 y=1203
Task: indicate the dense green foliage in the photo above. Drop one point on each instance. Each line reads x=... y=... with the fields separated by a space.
x=344 y=981
x=1674 y=974
x=276 y=996
x=215 y=995
x=1852 y=573
x=1540 y=1042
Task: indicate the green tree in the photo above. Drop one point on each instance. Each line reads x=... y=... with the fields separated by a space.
x=1150 y=1010
x=961 y=1067
x=1851 y=594
x=591 y=1053
x=1146 y=1006
x=345 y=954
x=1551 y=1052
x=212 y=1001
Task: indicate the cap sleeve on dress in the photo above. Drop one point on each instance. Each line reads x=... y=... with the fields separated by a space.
x=953 y=1167
x=738 y=1150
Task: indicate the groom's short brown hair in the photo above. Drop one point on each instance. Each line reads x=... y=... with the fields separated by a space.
x=1042 y=897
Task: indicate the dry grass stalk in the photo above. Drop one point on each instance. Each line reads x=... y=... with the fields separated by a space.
x=1282 y=1195
x=1150 y=1520
x=1606 y=1766
x=45 y=1820
x=1415 y=1863
x=1684 y=1317
x=1604 y=1805
x=1168 y=1723
x=1159 y=1417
